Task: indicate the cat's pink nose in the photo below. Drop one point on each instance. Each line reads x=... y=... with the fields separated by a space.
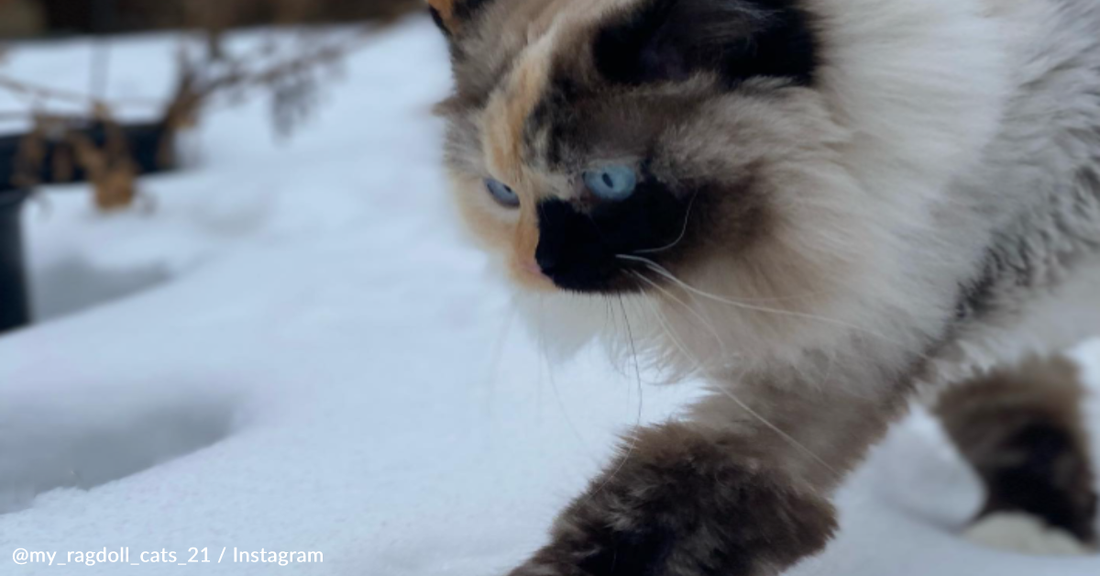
x=532 y=267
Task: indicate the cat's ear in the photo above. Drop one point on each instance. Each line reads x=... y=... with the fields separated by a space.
x=450 y=15
x=671 y=40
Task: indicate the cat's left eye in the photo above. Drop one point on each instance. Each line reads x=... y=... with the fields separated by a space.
x=612 y=183
x=500 y=192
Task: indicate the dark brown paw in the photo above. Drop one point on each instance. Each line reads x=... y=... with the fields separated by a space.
x=681 y=504
x=1023 y=430
x=1050 y=478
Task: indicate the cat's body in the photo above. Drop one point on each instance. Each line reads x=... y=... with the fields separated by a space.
x=820 y=206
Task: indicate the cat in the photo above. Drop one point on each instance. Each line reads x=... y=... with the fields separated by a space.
x=823 y=208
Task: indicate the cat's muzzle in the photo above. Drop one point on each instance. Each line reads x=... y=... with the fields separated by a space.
x=595 y=247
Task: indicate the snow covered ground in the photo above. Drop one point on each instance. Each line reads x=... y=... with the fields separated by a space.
x=296 y=351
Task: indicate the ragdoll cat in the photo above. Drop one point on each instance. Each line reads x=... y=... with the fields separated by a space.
x=822 y=207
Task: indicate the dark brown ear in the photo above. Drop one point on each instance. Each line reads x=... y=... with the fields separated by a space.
x=450 y=15
x=671 y=40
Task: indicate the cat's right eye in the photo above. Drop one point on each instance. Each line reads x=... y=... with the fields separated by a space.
x=500 y=192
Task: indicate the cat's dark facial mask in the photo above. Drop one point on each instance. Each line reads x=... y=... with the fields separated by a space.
x=603 y=151
x=593 y=245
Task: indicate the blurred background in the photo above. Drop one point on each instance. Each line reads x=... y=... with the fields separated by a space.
x=105 y=92
x=37 y=18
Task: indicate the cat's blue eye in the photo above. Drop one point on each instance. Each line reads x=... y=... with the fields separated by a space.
x=612 y=183
x=500 y=191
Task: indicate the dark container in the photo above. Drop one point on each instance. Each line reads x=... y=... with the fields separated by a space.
x=14 y=305
x=151 y=147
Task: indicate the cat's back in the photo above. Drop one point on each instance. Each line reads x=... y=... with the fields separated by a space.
x=1033 y=204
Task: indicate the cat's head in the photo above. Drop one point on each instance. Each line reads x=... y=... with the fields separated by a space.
x=720 y=157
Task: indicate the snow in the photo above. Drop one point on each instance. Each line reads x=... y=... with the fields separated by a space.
x=295 y=349
x=1017 y=532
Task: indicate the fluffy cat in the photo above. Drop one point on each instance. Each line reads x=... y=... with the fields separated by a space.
x=823 y=208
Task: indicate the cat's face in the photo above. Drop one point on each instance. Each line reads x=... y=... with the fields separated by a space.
x=594 y=141
x=637 y=146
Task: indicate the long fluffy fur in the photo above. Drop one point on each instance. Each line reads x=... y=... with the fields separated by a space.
x=932 y=208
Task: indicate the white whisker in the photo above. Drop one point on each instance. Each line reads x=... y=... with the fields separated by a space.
x=750 y=307
x=805 y=449
x=709 y=325
x=545 y=363
x=663 y=271
x=683 y=232
x=498 y=356
x=754 y=414
x=638 y=375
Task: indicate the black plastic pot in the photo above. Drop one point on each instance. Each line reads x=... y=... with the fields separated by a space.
x=14 y=305
x=150 y=146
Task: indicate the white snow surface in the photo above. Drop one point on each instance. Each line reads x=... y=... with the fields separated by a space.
x=310 y=356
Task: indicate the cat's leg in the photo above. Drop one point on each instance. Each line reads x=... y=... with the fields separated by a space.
x=1022 y=430
x=741 y=488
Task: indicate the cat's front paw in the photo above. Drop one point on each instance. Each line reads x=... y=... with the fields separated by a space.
x=679 y=503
